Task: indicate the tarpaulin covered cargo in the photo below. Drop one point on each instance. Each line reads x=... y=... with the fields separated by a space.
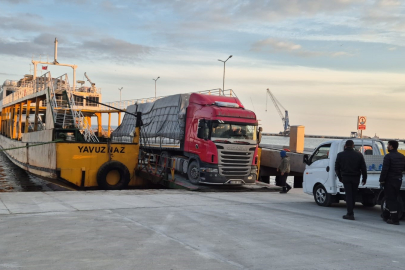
x=163 y=120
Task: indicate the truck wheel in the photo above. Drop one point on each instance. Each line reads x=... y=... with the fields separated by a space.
x=193 y=172
x=401 y=214
x=113 y=175
x=321 y=196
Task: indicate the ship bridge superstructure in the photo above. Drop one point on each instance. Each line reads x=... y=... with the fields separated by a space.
x=53 y=103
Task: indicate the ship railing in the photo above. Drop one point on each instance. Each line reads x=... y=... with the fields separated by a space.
x=123 y=105
x=90 y=90
x=40 y=84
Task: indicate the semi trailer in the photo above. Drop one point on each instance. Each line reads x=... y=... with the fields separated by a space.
x=212 y=138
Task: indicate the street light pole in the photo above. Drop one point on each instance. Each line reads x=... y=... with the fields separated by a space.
x=155 y=84
x=120 y=93
x=223 y=79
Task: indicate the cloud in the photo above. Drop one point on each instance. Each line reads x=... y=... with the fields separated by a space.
x=7 y=74
x=95 y=49
x=392 y=49
x=76 y=2
x=276 y=45
x=15 y=1
x=110 y=6
x=34 y=36
x=337 y=54
x=385 y=15
x=279 y=9
x=398 y=90
x=20 y=48
x=388 y=3
x=176 y=19
x=25 y=22
x=112 y=48
x=272 y=45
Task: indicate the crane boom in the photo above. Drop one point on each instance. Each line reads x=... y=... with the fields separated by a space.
x=92 y=84
x=284 y=118
x=275 y=102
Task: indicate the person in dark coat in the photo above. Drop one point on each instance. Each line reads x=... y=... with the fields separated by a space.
x=284 y=170
x=391 y=181
x=349 y=166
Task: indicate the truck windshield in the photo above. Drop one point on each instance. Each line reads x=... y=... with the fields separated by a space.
x=233 y=131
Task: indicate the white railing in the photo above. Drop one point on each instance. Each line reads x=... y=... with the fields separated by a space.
x=41 y=84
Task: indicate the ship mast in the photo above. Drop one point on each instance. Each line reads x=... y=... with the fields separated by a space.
x=56 y=63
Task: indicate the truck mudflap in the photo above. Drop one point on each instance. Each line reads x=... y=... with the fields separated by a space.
x=209 y=174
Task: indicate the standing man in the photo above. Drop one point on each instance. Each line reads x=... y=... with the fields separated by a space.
x=391 y=181
x=259 y=135
x=284 y=169
x=349 y=166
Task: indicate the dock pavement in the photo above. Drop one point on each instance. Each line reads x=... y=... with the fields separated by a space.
x=178 y=229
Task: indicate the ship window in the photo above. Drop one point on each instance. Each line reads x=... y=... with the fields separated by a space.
x=78 y=101
x=91 y=101
x=9 y=92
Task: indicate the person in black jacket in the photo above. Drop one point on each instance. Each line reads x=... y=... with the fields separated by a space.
x=349 y=166
x=391 y=181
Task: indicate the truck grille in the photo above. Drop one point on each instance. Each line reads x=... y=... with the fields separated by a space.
x=235 y=163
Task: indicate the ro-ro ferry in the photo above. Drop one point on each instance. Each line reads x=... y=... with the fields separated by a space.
x=46 y=130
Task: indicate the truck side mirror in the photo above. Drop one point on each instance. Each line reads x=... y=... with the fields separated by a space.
x=306 y=159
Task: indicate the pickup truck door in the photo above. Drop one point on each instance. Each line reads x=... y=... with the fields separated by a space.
x=318 y=169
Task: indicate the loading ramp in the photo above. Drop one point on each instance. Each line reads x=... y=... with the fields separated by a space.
x=178 y=181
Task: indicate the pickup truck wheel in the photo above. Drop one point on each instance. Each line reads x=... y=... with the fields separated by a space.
x=321 y=196
x=193 y=172
x=401 y=214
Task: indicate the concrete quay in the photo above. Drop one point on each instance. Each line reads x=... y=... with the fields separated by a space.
x=175 y=229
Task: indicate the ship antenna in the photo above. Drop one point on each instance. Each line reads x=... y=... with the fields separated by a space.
x=56 y=52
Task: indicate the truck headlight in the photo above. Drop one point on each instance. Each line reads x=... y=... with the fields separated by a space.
x=209 y=170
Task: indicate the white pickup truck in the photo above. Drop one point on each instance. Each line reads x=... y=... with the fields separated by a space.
x=320 y=179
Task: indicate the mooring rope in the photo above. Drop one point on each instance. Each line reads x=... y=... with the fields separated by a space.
x=28 y=145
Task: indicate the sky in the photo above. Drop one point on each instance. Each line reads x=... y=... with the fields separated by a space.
x=326 y=61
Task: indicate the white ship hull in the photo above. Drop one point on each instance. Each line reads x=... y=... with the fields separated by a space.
x=39 y=160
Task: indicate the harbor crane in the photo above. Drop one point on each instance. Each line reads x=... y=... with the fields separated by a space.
x=284 y=118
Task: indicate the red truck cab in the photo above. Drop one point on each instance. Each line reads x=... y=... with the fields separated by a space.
x=220 y=140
